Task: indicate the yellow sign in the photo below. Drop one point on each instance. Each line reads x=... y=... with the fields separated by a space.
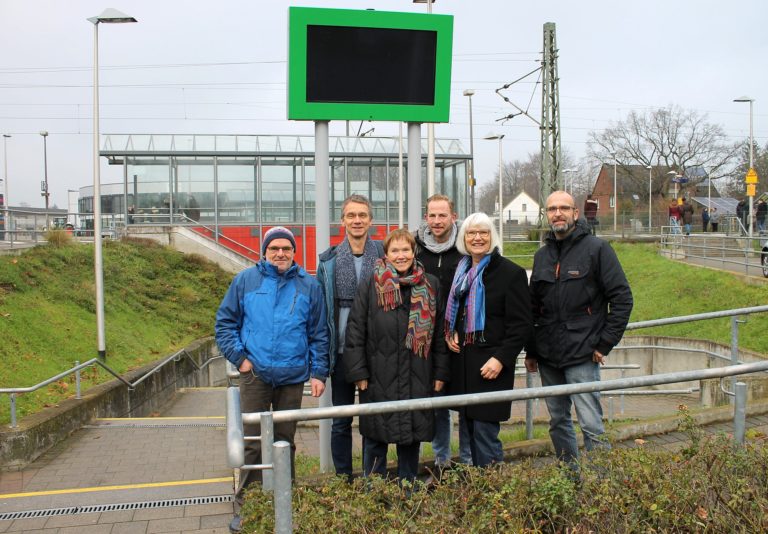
x=751 y=190
x=751 y=176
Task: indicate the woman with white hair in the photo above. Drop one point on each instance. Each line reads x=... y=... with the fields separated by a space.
x=487 y=322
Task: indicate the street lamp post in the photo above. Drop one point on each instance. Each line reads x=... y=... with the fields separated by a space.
x=615 y=196
x=109 y=16
x=44 y=191
x=5 y=180
x=650 y=194
x=568 y=178
x=751 y=156
x=469 y=93
x=491 y=137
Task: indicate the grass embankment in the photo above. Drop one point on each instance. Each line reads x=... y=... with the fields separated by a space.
x=157 y=300
x=666 y=288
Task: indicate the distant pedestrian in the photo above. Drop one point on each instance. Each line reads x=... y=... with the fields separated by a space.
x=741 y=214
x=674 y=216
x=590 y=213
x=714 y=219
x=760 y=213
x=686 y=214
x=705 y=219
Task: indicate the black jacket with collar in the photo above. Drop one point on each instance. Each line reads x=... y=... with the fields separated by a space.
x=581 y=299
x=440 y=264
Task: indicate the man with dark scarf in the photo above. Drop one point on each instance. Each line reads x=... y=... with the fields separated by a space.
x=436 y=250
x=339 y=272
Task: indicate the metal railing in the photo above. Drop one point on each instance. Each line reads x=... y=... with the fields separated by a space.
x=175 y=357
x=277 y=457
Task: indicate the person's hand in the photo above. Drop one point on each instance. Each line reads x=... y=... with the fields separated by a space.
x=531 y=365
x=491 y=369
x=597 y=357
x=439 y=384
x=318 y=387
x=453 y=342
x=362 y=385
x=246 y=366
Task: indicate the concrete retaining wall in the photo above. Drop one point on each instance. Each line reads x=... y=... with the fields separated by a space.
x=37 y=433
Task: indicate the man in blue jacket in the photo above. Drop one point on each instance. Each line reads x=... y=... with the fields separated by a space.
x=340 y=270
x=272 y=326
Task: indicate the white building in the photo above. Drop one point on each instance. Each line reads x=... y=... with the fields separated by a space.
x=521 y=210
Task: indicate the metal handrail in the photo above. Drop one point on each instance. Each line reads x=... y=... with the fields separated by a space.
x=455 y=401
x=96 y=361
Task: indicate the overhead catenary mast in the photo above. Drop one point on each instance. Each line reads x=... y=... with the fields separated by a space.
x=551 y=176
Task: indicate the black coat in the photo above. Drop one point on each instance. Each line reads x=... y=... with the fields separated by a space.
x=375 y=350
x=573 y=283
x=508 y=326
x=442 y=265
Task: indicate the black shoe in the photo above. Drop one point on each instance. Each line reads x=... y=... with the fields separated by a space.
x=236 y=525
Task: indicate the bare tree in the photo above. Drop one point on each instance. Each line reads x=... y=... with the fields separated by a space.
x=671 y=137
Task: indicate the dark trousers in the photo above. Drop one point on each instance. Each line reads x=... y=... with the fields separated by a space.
x=258 y=396
x=342 y=394
x=484 y=442
x=375 y=459
x=714 y=227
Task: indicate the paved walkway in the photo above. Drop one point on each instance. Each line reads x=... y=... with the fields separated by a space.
x=136 y=473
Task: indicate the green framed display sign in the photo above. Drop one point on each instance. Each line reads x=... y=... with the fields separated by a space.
x=348 y=64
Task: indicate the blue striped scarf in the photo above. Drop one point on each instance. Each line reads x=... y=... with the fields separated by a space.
x=467 y=286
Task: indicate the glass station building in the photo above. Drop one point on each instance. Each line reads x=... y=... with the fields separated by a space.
x=243 y=184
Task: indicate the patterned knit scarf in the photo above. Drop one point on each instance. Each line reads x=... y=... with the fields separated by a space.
x=421 y=317
x=346 y=281
x=468 y=286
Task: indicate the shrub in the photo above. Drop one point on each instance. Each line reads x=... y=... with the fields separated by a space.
x=716 y=488
x=58 y=237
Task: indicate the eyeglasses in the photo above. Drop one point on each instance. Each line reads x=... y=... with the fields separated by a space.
x=561 y=209
x=275 y=250
x=478 y=233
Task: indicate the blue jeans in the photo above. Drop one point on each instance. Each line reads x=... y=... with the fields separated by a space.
x=441 y=444
x=375 y=459
x=484 y=442
x=342 y=394
x=588 y=410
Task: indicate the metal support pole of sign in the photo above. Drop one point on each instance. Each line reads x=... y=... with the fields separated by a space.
x=414 y=176
x=77 y=382
x=235 y=439
x=740 y=413
x=267 y=440
x=322 y=242
x=529 y=408
x=283 y=498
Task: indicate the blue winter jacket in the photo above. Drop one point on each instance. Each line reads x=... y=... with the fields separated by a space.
x=278 y=322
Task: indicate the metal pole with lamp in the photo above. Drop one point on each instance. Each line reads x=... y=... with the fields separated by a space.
x=44 y=188
x=615 y=196
x=5 y=177
x=650 y=193
x=469 y=93
x=109 y=16
x=491 y=137
x=751 y=180
x=430 y=130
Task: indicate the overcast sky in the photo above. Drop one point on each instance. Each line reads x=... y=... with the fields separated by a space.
x=190 y=66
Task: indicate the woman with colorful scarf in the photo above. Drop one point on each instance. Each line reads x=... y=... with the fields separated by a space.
x=395 y=350
x=487 y=323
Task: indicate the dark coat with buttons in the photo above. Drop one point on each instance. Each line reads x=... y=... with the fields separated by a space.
x=375 y=350
x=508 y=326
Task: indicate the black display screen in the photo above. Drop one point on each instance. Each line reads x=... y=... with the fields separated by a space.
x=370 y=65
